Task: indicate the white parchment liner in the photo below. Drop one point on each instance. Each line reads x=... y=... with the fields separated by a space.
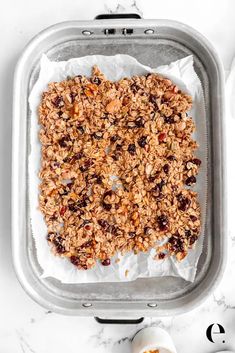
x=115 y=67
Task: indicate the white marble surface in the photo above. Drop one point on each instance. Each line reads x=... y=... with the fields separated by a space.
x=26 y=327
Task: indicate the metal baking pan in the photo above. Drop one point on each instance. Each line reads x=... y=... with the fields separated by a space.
x=153 y=43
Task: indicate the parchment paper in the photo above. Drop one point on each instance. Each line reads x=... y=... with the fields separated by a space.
x=115 y=67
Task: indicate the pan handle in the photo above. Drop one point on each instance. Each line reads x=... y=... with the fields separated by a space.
x=117 y=16
x=119 y=321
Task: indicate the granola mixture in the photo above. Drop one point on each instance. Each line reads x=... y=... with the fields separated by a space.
x=152 y=351
x=117 y=168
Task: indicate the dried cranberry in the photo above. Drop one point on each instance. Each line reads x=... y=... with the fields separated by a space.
x=139 y=122
x=96 y=80
x=114 y=138
x=163 y=222
x=106 y=206
x=176 y=244
x=131 y=148
x=169 y=120
x=190 y=180
x=193 y=239
x=166 y=168
x=58 y=102
x=196 y=161
x=103 y=223
x=171 y=158
x=63 y=210
x=106 y=262
x=132 y=234
x=81 y=129
x=142 y=141
x=74 y=260
x=161 y=255
x=63 y=141
x=184 y=202
x=193 y=218
x=161 y=137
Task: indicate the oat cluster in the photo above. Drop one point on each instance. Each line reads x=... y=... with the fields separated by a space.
x=117 y=168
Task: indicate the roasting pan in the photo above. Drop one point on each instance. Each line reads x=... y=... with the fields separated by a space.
x=153 y=43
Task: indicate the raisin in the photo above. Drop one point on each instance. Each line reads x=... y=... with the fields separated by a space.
x=87 y=164
x=114 y=138
x=115 y=157
x=107 y=193
x=132 y=234
x=196 y=161
x=83 y=203
x=97 y=178
x=96 y=80
x=106 y=262
x=166 y=168
x=81 y=129
x=63 y=141
x=187 y=233
x=58 y=102
x=190 y=180
x=104 y=224
x=193 y=218
x=163 y=222
x=169 y=120
x=118 y=147
x=73 y=207
x=98 y=135
x=131 y=148
x=147 y=230
x=184 y=202
x=139 y=122
x=60 y=249
x=50 y=236
x=75 y=260
x=106 y=206
x=77 y=156
x=135 y=88
x=152 y=99
x=142 y=141
x=72 y=96
x=171 y=158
